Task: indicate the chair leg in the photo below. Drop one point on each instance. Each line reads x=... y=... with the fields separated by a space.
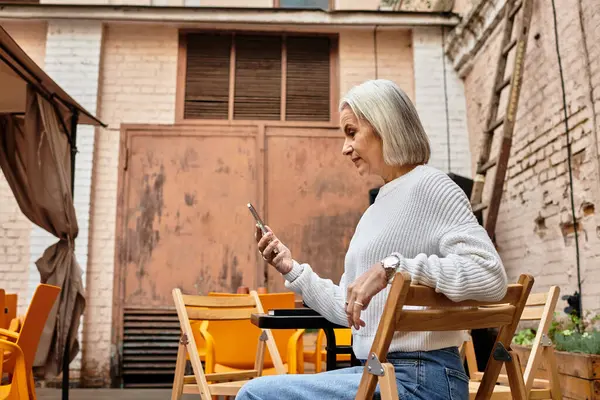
x=387 y=383
x=550 y=358
x=515 y=377
x=179 y=373
x=31 y=384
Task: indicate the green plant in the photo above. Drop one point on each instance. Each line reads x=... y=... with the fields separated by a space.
x=576 y=342
x=524 y=337
x=570 y=333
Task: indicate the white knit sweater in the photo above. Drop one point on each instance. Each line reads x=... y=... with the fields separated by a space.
x=425 y=219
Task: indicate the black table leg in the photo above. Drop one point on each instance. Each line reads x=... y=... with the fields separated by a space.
x=331 y=349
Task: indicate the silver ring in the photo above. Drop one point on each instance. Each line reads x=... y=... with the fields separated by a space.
x=359 y=303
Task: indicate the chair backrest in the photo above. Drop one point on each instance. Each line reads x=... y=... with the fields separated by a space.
x=35 y=319
x=3 y=310
x=10 y=303
x=239 y=351
x=439 y=313
x=539 y=307
x=216 y=309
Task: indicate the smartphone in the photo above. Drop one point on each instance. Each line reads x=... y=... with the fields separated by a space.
x=259 y=221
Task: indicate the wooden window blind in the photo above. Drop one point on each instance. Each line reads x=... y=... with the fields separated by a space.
x=305 y=4
x=258 y=77
x=308 y=79
x=207 y=76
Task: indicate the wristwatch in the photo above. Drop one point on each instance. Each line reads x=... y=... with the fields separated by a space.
x=390 y=265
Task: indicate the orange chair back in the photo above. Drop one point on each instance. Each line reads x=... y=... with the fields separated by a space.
x=236 y=341
x=3 y=310
x=33 y=324
x=10 y=302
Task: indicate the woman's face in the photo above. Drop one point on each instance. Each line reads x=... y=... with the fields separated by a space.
x=362 y=145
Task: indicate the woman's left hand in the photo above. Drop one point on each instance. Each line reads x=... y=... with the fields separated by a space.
x=361 y=291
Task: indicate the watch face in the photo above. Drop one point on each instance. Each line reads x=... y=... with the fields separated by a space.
x=390 y=261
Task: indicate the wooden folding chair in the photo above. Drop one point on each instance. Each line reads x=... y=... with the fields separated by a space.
x=213 y=308
x=539 y=306
x=443 y=314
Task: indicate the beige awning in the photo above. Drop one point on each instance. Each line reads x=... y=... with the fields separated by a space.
x=17 y=69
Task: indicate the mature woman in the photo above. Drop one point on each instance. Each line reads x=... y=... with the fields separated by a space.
x=421 y=223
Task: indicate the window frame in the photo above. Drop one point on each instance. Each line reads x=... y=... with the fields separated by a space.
x=181 y=79
x=276 y=4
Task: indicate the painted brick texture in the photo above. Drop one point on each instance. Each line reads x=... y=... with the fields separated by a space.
x=15 y=228
x=534 y=232
x=444 y=121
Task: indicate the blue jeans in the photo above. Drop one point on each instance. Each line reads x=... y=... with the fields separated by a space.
x=426 y=375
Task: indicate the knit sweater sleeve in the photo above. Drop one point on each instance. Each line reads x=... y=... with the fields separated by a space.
x=467 y=265
x=322 y=295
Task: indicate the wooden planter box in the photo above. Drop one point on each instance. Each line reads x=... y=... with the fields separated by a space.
x=579 y=374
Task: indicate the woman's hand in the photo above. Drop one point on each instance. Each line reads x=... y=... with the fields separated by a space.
x=361 y=291
x=281 y=258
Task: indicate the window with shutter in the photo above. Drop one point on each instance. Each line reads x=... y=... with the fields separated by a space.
x=245 y=76
x=207 y=76
x=308 y=79
x=257 y=77
x=305 y=4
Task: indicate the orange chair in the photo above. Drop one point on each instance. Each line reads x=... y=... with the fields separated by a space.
x=17 y=388
x=29 y=335
x=343 y=337
x=231 y=345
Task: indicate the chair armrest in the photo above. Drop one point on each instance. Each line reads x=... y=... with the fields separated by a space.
x=209 y=358
x=10 y=334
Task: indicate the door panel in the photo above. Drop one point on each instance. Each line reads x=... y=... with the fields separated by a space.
x=185 y=215
x=315 y=198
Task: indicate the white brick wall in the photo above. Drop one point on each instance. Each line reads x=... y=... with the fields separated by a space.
x=536 y=199
x=73 y=61
x=430 y=99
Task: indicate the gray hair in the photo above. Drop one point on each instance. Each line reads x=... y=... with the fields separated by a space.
x=393 y=117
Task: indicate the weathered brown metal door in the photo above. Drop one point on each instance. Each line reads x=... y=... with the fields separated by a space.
x=183 y=221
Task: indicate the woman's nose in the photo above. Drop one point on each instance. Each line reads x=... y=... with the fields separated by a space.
x=346 y=148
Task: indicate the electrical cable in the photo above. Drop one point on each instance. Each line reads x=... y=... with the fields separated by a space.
x=446 y=102
x=375 y=51
x=564 y=100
